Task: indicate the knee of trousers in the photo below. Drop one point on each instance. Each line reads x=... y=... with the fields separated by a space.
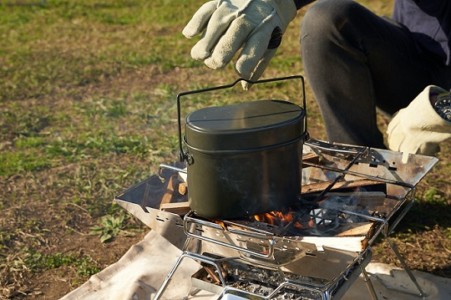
x=325 y=18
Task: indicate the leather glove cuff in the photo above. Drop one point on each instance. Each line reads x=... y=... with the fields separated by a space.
x=419 y=128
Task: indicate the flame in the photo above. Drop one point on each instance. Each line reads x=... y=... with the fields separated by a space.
x=278 y=218
x=222 y=224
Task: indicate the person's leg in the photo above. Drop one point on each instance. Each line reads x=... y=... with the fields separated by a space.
x=355 y=61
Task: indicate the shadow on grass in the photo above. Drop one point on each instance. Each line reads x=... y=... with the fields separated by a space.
x=425 y=215
x=441 y=271
x=427 y=227
x=25 y=3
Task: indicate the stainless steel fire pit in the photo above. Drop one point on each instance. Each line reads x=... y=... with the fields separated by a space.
x=345 y=189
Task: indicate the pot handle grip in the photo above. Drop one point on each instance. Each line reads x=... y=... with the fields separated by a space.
x=182 y=155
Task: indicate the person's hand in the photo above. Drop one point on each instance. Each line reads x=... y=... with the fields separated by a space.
x=418 y=128
x=255 y=26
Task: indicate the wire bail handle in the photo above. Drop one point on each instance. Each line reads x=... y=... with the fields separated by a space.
x=183 y=156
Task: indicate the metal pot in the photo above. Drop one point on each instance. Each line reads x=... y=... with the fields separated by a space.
x=244 y=159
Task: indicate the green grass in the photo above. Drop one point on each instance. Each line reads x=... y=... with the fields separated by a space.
x=37 y=261
x=16 y=162
x=67 y=43
x=110 y=226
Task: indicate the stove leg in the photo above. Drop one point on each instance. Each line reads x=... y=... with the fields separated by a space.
x=174 y=268
x=405 y=267
x=169 y=277
x=369 y=284
x=195 y=256
x=194 y=291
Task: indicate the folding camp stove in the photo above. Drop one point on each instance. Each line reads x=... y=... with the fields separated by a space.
x=315 y=250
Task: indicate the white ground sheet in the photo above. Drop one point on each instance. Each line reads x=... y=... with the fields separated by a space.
x=141 y=271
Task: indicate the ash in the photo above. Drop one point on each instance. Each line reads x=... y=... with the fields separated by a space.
x=264 y=282
x=266 y=291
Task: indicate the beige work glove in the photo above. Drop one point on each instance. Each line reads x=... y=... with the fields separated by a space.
x=418 y=128
x=255 y=26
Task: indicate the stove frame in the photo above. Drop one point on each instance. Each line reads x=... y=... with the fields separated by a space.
x=337 y=162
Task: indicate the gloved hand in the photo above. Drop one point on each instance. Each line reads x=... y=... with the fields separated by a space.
x=418 y=128
x=256 y=26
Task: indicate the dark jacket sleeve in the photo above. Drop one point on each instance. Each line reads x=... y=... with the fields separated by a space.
x=301 y=3
x=429 y=21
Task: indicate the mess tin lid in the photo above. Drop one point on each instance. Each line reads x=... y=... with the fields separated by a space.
x=245 y=126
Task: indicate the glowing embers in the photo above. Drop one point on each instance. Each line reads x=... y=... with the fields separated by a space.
x=284 y=220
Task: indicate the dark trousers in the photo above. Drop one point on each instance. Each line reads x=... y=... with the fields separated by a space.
x=356 y=61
